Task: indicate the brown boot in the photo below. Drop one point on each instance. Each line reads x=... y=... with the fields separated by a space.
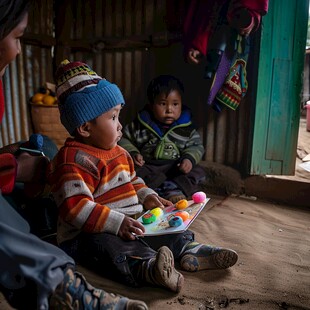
x=160 y=271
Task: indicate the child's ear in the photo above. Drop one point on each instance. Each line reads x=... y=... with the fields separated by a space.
x=83 y=130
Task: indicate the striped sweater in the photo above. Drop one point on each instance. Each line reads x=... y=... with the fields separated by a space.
x=94 y=189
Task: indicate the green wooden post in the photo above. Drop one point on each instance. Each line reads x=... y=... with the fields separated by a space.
x=279 y=86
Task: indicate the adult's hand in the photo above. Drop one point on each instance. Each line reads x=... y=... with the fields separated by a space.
x=194 y=56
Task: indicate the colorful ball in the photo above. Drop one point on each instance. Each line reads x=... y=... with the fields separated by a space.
x=199 y=197
x=182 y=214
x=181 y=204
x=175 y=221
x=148 y=218
x=157 y=211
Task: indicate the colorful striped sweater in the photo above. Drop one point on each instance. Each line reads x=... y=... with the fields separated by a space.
x=94 y=189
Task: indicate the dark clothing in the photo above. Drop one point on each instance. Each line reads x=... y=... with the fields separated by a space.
x=163 y=148
x=156 y=142
x=155 y=174
x=115 y=257
x=27 y=259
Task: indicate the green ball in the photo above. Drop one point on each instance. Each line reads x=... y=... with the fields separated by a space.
x=148 y=218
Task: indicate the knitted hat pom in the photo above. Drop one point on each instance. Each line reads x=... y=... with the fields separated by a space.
x=82 y=94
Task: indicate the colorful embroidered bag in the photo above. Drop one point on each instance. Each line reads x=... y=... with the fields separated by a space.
x=235 y=85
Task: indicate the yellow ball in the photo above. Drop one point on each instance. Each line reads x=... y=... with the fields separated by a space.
x=157 y=211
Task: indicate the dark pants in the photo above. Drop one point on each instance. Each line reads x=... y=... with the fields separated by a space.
x=155 y=174
x=112 y=256
x=29 y=266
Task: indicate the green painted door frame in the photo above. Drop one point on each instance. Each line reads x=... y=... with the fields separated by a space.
x=279 y=87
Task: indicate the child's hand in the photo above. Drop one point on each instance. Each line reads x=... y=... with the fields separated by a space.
x=129 y=227
x=153 y=201
x=185 y=166
x=193 y=56
x=138 y=160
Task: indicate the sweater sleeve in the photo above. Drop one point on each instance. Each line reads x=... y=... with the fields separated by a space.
x=200 y=20
x=255 y=10
x=8 y=170
x=194 y=148
x=8 y=163
x=72 y=187
x=199 y=24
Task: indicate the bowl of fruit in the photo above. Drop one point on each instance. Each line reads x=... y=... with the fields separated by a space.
x=45 y=96
x=45 y=114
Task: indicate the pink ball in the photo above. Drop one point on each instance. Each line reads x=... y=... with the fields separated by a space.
x=199 y=197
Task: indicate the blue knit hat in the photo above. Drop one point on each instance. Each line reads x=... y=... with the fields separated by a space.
x=83 y=95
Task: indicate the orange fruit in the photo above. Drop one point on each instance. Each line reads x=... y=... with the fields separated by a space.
x=49 y=100
x=38 y=97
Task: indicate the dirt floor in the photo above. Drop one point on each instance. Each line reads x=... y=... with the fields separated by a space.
x=273 y=243
x=273 y=270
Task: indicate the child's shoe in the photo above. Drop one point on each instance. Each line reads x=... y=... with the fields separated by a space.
x=160 y=271
x=74 y=292
x=198 y=256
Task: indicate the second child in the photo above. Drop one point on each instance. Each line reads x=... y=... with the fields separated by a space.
x=165 y=145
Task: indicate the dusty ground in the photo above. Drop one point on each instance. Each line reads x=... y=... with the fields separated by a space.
x=273 y=270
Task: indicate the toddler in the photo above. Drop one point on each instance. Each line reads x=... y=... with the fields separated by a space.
x=165 y=146
x=99 y=195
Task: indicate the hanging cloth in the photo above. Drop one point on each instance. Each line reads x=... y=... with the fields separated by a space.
x=219 y=30
x=229 y=83
x=235 y=85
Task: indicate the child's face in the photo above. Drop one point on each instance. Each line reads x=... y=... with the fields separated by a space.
x=167 y=109
x=106 y=131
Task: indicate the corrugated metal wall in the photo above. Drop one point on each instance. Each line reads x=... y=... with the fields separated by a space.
x=128 y=42
x=121 y=45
